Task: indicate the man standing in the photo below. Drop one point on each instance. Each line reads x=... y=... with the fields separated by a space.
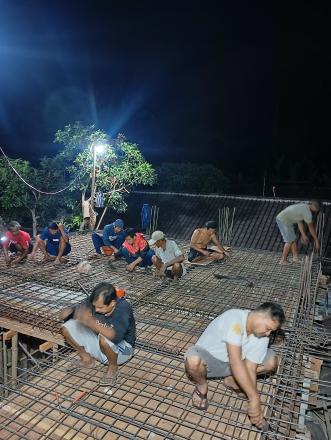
x=297 y=214
x=53 y=243
x=235 y=346
x=168 y=258
x=199 y=241
x=112 y=237
x=17 y=242
x=102 y=328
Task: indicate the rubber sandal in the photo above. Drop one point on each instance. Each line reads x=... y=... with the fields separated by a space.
x=202 y=397
x=234 y=390
x=108 y=380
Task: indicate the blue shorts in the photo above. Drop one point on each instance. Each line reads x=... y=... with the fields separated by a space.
x=53 y=249
x=287 y=231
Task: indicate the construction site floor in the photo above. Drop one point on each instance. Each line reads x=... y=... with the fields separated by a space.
x=152 y=397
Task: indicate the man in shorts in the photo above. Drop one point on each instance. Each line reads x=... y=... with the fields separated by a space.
x=297 y=214
x=168 y=258
x=101 y=328
x=17 y=242
x=53 y=243
x=200 y=239
x=234 y=346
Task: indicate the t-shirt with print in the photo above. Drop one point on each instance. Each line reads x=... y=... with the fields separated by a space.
x=22 y=239
x=171 y=251
x=230 y=328
x=295 y=214
x=53 y=238
x=122 y=320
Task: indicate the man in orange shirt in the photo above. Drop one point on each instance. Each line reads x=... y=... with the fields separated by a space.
x=135 y=250
x=17 y=242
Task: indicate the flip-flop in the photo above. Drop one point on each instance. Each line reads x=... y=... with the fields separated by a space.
x=76 y=365
x=108 y=380
x=235 y=390
x=202 y=397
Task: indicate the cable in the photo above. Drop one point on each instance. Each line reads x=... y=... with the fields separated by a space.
x=31 y=186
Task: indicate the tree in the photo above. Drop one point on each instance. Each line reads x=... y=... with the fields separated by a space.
x=190 y=177
x=17 y=195
x=121 y=168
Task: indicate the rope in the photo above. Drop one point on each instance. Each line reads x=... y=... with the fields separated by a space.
x=31 y=186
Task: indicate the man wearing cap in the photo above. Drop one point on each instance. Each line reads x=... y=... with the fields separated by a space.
x=200 y=239
x=101 y=328
x=53 y=243
x=168 y=258
x=112 y=237
x=16 y=241
x=297 y=214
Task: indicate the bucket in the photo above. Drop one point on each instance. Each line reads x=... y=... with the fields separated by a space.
x=107 y=251
x=120 y=293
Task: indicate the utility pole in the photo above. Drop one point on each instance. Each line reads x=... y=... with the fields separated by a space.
x=93 y=175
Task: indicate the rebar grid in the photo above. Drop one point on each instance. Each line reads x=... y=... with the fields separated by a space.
x=152 y=399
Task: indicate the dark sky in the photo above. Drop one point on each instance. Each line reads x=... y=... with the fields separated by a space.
x=233 y=83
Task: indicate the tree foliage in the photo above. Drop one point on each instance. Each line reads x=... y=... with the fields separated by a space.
x=118 y=170
x=17 y=198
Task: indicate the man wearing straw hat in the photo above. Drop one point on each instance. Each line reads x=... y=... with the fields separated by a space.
x=200 y=239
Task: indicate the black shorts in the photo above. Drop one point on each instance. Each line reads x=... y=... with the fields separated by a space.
x=12 y=248
x=194 y=254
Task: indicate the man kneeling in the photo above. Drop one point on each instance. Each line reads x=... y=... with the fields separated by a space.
x=235 y=346
x=102 y=328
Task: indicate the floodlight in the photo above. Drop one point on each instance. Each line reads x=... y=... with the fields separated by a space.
x=99 y=148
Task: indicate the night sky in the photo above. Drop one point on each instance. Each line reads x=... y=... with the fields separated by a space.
x=232 y=83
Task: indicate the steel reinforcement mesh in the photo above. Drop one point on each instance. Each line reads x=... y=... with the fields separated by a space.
x=152 y=398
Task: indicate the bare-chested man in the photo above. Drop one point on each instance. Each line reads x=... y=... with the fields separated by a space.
x=199 y=241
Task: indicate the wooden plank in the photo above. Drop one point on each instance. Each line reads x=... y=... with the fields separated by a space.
x=27 y=329
x=7 y=336
x=46 y=346
x=14 y=357
x=315 y=365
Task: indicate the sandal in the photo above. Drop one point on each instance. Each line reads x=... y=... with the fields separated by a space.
x=107 y=380
x=233 y=389
x=202 y=397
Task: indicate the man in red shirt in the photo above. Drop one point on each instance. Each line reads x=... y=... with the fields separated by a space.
x=17 y=242
x=135 y=250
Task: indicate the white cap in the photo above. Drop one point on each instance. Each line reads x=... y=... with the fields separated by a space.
x=157 y=235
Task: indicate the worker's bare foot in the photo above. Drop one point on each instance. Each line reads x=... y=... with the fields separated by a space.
x=87 y=360
x=231 y=384
x=296 y=260
x=283 y=262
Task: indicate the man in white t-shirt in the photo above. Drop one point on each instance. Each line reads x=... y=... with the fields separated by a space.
x=235 y=346
x=168 y=258
x=297 y=214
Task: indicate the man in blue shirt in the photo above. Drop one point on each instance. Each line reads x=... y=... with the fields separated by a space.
x=112 y=236
x=53 y=243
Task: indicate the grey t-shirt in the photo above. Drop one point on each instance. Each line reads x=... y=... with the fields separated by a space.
x=295 y=214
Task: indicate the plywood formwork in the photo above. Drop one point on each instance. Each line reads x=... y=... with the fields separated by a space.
x=152 y=397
